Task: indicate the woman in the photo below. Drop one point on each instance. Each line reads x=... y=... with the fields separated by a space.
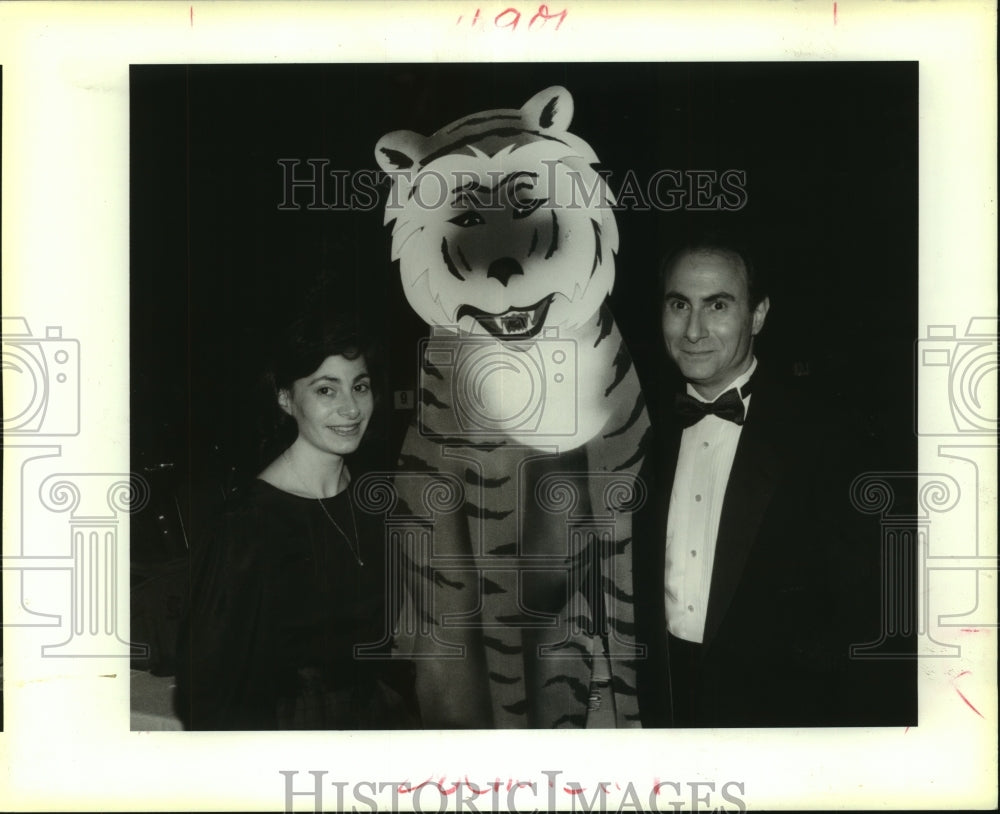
x=294 y=579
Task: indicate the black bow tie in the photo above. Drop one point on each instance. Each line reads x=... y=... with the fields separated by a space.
x=728 y=406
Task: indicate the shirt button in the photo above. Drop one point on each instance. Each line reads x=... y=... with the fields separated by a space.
x=697 y=498
x=704 y=443
x=694 y=553
x=691 y=608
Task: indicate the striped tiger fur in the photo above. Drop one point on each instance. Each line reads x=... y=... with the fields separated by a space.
x=530 y=407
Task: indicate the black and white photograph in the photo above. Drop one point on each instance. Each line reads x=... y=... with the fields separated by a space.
x=414 y=386
x=507 y=271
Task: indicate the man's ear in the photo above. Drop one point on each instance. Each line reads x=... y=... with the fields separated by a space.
x=285 y=401
x=759 y=315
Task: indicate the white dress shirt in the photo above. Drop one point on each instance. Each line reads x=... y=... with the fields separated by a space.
x=703 y=465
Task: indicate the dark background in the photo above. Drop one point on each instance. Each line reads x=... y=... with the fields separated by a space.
x=829 y=150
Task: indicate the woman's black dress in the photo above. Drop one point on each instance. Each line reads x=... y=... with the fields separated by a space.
x=278 y=605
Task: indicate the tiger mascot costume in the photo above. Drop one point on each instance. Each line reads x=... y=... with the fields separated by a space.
x=518 y=609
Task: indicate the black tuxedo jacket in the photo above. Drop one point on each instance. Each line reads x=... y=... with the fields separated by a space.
x=795 y=581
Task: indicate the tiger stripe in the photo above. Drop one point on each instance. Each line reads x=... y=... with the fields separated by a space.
x=561 y=686
x=496 y=133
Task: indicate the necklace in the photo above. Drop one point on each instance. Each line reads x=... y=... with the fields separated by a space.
x=355 y=547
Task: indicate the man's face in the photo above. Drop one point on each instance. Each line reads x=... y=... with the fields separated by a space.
x=708 y=325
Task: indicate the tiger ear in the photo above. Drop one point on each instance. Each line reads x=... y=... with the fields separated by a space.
x=399 y=151
x=550 y=109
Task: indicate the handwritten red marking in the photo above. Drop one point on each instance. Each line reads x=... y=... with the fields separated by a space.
x=834 y=13
x=511 y=16
x=191 y=15
x=511 y=25
x=468 y=785
x=960 y=695
x=544 y=13
x=440 y=784
x=968 y=704
x=971 y=630
x=573 y=791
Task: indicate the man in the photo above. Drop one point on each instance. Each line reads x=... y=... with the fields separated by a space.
x=753 y=573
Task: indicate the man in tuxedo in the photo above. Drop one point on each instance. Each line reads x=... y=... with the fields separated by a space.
x=753 y=573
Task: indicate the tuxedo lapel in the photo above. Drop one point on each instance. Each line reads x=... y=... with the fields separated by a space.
x=670 y=447
x=752 y=481
x=649 y=554
x=654 y=521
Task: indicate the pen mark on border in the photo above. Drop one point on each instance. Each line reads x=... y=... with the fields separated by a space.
x=962 y=696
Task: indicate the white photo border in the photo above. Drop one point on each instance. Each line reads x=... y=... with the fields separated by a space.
x=66 y=743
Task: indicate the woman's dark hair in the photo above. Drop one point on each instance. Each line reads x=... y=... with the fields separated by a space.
x=299 y=350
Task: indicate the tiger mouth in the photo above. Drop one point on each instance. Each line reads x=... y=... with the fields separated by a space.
x=514 y=323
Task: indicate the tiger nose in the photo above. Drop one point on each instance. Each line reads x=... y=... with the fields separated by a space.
x=503 y=269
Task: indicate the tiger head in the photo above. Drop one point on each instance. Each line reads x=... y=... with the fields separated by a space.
x=502 y=225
